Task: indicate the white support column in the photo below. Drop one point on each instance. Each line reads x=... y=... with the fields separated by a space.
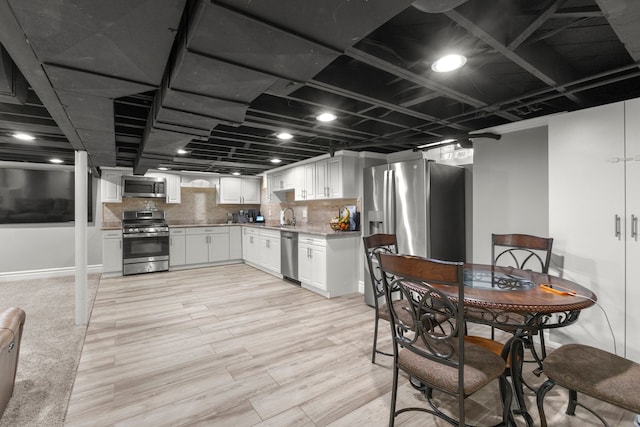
x=81 y=236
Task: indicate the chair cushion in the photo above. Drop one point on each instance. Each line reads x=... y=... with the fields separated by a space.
x=481 y=367
x=596 y=373
x=493 y=346
x=398 y=306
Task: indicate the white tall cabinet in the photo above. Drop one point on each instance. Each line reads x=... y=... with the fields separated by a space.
x=594 y=203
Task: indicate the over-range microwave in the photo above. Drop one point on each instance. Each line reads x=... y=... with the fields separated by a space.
x=143 y=186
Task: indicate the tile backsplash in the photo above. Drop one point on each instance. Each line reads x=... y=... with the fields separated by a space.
x=199 y=206
x=316 y=213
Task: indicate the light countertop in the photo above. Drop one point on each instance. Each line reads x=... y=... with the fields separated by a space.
x=318 y=230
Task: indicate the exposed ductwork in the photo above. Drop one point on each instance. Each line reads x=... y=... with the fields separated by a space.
x=13 y=86
x=437 y=6
x=131 y=82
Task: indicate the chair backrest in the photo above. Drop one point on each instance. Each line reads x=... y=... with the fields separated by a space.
x=374 y=244
x=521 y=251
x=422 y=281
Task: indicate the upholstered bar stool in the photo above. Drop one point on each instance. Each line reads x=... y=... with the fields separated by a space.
x=594 y=372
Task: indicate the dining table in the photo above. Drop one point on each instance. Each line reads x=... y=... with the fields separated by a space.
x=522 y=302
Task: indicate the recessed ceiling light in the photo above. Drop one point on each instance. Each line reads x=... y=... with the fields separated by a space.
x=275 y=160
x=284 y=136
x=24 y=136
x=235 y=173
x=162 y=168
x=56 y=160
x=448 y=63
x=182 y=151
x=326 y=117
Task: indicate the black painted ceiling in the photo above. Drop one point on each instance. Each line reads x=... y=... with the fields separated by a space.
x=131 y=82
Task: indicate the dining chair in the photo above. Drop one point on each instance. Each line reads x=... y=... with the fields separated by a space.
x=524 y=252
x=435 y=353
x=375 y=244
x=594 y=372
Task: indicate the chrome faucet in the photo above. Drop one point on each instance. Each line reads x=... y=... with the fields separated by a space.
x=293 y=216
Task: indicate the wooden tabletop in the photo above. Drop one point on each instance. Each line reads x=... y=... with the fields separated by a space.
x=508 y=296
x=526 y=295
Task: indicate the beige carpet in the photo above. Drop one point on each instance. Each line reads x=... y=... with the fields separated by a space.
x=50 y=349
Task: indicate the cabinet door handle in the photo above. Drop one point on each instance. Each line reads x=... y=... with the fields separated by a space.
x=634 y=226
x=617 y=225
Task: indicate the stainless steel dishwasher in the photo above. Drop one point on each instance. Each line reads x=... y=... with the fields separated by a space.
x=289 y=255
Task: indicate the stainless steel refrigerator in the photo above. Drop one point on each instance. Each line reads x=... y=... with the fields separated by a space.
x=422 y=202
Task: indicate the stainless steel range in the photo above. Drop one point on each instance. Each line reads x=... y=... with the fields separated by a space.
x=145 y=237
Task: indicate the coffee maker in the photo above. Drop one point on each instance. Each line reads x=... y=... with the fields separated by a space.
x=251 y=213
x=242 y=217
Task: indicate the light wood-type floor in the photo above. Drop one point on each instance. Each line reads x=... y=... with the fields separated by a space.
x=233 y=346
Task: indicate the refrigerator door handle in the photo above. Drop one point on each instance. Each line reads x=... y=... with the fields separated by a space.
x=389 y=202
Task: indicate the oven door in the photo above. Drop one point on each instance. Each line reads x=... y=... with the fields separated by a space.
x=144 y=247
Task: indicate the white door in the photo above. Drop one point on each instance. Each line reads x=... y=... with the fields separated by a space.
x=586 y=217
x=321 y=180
x=319 y=267
x=218 y=247
x=632 y=133
x=112 y=252
x=308 y=181
x=111 y=186
x=304 y=263
x=251 y=191
x=177 y=247
x=230 y=190
x=197 y=251
x=173 y=188
x=334 y=178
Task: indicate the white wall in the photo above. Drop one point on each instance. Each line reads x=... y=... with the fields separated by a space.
x=510 y=188
x=47 y=249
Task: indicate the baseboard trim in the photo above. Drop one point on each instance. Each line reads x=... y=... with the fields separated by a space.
x=45 y=273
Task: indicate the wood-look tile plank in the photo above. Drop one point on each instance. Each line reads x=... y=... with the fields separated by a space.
x=232 y=345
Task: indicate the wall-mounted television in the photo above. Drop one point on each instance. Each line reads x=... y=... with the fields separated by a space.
x=39 y=195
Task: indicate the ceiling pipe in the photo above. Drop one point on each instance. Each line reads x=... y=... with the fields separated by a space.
x=437 y=6
x=465 y=141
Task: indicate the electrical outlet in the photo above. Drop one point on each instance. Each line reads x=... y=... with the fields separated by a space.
x=269 y=211
x=304 y=212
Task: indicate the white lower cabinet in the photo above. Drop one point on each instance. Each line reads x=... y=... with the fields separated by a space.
x=269 y=248
x=261 y=248
x=235 y=243
x=112 y=252
x=312 y=262
x=250 y=245
x=207 y=244
x=177 y=247
x=328 y=266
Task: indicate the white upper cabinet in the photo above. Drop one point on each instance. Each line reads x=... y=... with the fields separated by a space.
x=336 y=178
x=305 y=178
x=111 y=186
x=239 y=190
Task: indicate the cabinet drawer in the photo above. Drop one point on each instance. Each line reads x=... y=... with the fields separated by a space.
x=248 y=231
x=112 y=234
x=271 y=234
x=309 y=240
x=177 y=231
x=207 y=230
